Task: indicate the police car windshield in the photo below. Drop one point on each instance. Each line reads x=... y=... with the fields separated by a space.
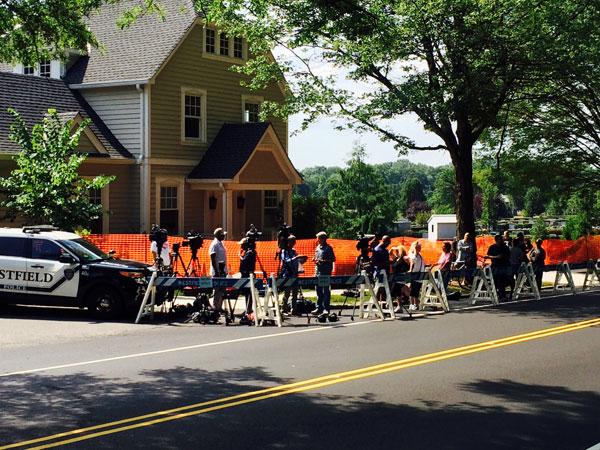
x=86 y=251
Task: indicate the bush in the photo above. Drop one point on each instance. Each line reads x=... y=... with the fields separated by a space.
x=539 y=230
x=577 y=226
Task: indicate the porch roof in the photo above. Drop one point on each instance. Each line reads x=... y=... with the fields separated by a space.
x=233 y=148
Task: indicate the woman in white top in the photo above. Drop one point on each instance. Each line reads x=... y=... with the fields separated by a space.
x=417 y=264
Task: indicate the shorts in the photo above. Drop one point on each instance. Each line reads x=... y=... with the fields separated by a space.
x=415 y=288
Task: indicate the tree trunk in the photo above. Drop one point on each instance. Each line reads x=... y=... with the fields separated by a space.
x=462 y=160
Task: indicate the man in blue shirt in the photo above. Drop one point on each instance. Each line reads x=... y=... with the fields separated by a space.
x=324 y=259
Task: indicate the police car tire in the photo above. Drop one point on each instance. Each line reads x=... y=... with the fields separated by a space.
x=105 y=302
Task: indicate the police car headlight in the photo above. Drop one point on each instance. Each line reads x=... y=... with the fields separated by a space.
x=132 y=274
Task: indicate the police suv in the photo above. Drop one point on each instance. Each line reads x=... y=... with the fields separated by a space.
x=41 y=265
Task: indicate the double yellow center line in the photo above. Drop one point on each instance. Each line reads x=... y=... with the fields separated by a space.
x=168 y=415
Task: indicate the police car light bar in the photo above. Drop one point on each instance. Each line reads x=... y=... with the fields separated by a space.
x=34 y=229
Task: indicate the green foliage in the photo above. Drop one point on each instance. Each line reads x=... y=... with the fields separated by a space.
x=422 y=218
x=443 y=197
x=33 y=30
x=317 y=180
x=534 y=201
x=485 y=179
x=577 y=226
x=539 y=230
x=410 y=191
x=358 y=201
x=308 y=216
x=46 y=187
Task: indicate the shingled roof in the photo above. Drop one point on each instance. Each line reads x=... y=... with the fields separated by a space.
x=136 y=53
x=32 y=96
x=229 y=151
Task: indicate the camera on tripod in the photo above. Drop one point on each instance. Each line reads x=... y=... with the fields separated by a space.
x=158 y=235
x=252 y=235
x=194 y=241
x=363 y=241
x=283 y=234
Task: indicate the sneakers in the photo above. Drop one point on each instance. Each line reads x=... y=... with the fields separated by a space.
x=316 y=311
x=412 y=307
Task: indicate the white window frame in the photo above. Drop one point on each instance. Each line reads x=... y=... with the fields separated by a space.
x=204 y=41
x=217 y=54
x=43 y=63
x=29 y=67
x=179 y=183
x=250 y=99
x=198 y=93
x=105 y=202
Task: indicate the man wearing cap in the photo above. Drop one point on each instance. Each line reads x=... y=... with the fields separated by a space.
x=218 y=265
x=324 y=259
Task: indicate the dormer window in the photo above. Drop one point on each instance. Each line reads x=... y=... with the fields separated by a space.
x=251 y=108
x=210 y=41
x=223 y=45
x=45 y=68
x=28 y=70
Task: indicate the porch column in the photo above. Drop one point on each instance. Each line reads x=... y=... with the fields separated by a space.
x=287 y=205
x=224 y=207
x=228 y=222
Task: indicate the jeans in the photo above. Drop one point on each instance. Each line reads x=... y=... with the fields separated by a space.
x=323 y=298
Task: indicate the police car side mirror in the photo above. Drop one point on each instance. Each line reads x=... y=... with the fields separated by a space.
x=65 y=258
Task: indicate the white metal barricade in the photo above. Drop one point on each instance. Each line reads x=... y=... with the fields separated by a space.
x=147 y=306
x=484 y=288
x=525 y=284
x=267 y=309
x=592 y=275
x=563 y=270
x=433 y=292
x=372 y=307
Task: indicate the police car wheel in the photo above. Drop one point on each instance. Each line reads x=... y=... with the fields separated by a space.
x=105 y=302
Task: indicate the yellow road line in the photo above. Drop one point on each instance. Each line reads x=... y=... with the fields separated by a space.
x=276 y=391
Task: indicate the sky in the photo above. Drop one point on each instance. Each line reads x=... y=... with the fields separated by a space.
x=322 y=145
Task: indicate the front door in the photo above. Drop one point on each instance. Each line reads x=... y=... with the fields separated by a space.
x=48 y=275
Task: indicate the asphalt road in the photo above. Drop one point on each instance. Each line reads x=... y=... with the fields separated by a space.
x=61 y=372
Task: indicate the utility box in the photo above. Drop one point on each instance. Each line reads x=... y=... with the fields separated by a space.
x=441 y=227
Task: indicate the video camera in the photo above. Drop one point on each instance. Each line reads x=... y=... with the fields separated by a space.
x=194 y=241
x=283 y=233
x=158 y=235
x=363 y=241
x=252 y=235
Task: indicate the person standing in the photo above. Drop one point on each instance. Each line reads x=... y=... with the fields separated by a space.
x=465 y=258
x=416 y=269
x=499 y=254
x=537 y=256
x=380 y=260
x=247 y=267
x=290 y=261
x=444 y=263
x=165 y=254
x=516 y=258
x=324 y=259
x=218 y=265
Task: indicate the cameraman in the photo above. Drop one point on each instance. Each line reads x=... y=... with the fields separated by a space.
x=324 y=259
x=247 y=266
x=165 y=253
x=218 y=265
x=290 y=261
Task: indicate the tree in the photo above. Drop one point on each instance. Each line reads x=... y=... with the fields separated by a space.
x=46 y=187
x=33 y=30
x=455 y=64
x=308 y=215
x=534 y=201
x=359 y=200
x=443 y=197
x=410 y=191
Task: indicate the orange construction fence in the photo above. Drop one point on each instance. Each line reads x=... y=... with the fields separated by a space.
x=137 y=247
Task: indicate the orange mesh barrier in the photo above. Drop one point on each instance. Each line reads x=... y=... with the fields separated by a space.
x=137 y=247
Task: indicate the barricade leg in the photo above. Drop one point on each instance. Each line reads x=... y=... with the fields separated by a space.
x=150 y=294
x=483 y=288
x=592 y=275
x=371 y=304
x=433 y=293
x=564 y=270
x=526 y=283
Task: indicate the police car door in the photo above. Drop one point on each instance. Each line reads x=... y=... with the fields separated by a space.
x=13 y=265
x=46 y=274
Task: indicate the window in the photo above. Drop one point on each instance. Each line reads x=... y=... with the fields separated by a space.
x=169 y=212
x=28 y=70
x=251 y=112
x=96 y=199
x=271 y=200
x=210 y=41
x=192 y=117
x=10 y=246
x=45 y=68
x=44 y=249
x=238 y=47
x=223 y=45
